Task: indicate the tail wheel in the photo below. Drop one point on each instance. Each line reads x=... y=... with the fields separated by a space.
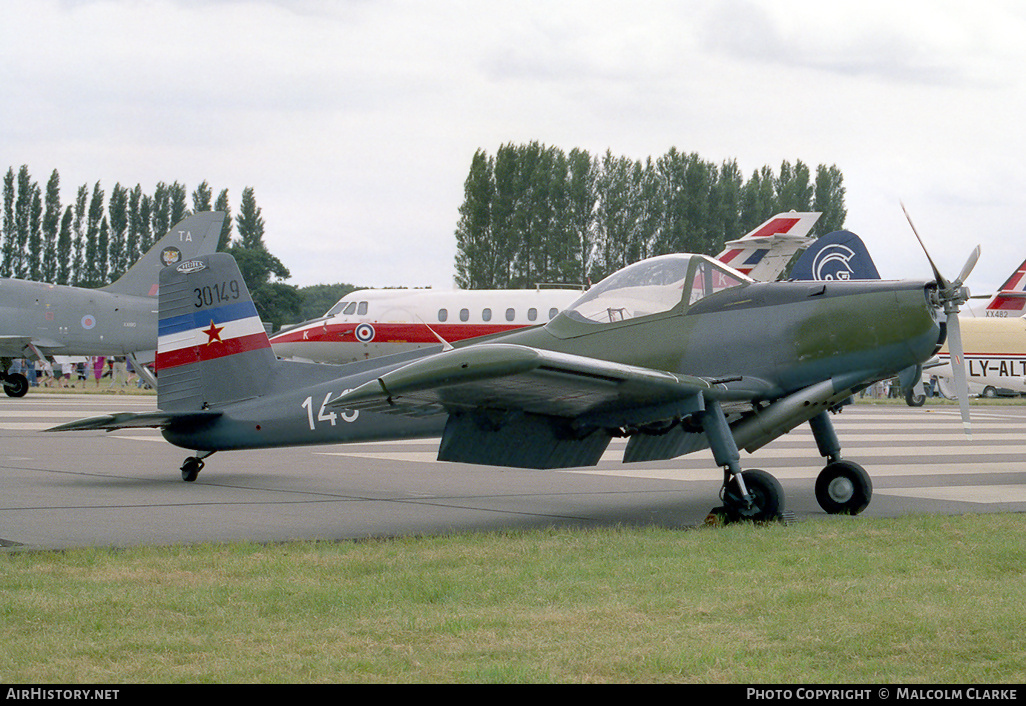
x=191 y=468
x=15 y=385
x=767 y=499
x=844 y=488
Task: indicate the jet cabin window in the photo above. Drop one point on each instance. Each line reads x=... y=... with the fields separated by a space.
x=651 y=286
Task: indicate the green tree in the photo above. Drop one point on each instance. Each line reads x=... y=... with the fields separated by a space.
x=118 y=220
x=829 y=199
x=264 y=274
x=226 y=226
x=51 y=256
x=8 y=227
x=64 y=249
x=794 y=187
x=475 y=252
x=95 y=262
x=581 y=202
x=78 y=226
x=201 y=198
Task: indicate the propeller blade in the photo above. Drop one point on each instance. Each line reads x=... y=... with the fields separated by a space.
x=958 y=369
x=967 y=269
x=936 y=273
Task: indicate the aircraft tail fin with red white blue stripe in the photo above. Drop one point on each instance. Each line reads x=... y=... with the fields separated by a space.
x=1010 y=299
x=211 y=345
x=765 y=252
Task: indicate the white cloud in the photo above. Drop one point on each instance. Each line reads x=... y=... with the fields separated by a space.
x=356 y=121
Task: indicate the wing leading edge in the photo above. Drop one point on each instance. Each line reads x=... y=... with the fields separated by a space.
x=512 y=405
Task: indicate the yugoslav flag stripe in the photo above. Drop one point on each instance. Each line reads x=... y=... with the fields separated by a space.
x=209 y=334
x=201 y=317
x=219 y=349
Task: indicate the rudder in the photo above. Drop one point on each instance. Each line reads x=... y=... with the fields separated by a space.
x=840 y=255
x=193 y=237
x=211 y=345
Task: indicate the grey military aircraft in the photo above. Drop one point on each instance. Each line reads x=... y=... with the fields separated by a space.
x=39 y=319
x=677 y=353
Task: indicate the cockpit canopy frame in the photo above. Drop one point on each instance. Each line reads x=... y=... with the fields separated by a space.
x=667 y=284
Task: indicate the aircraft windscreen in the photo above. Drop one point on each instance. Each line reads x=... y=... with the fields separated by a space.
x=646 y=287
x=651 y=286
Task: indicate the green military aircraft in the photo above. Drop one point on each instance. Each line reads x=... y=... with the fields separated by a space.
x=677 y=353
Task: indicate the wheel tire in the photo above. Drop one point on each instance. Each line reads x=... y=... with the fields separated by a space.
x=844 y=488
x=768 y=502
x=16 y=385
x=914 y=400
x=191 y=468
x=989 y=392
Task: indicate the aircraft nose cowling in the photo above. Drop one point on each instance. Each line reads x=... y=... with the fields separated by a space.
x=881 y=328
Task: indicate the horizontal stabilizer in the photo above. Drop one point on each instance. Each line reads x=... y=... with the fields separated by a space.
x=145 y=420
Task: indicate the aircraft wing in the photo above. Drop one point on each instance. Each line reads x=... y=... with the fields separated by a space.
x=505 y=376
x=27 y=346
x=512 y=405
x=132 y=420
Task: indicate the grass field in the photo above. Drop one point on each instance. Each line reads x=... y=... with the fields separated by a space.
x=924 y=599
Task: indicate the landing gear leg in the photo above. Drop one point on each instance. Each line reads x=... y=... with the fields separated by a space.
x=842 y=487
x=193 y=465
x=751 y=495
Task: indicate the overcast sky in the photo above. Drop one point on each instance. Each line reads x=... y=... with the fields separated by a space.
x=355 y=120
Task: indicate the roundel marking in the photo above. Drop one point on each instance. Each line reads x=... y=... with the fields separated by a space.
x=88 y=321
x=364 y=333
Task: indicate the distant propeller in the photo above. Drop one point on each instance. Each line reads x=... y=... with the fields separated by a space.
x=950 y=296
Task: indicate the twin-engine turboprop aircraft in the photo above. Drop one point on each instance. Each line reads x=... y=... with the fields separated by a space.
x=677 y=353
x=39 y=319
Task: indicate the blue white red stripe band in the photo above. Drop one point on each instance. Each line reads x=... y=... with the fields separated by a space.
x=208 y=334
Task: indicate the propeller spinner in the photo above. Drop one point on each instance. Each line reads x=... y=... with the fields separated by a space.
x=950 y=296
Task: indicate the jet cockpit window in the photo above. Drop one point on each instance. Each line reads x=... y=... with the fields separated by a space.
x=337 y=309
x=350 y=309
x=647 y=287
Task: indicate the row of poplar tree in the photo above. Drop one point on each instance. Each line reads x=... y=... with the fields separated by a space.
x=534 y=214
x=93 y=241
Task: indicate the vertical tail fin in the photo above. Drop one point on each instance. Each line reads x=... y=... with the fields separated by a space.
x=1010 y=299
x=195 y=236
x=211 y=345
x=763 y=253
x=840 y=255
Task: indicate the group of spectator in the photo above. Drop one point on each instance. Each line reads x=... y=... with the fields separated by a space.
x=43 y=373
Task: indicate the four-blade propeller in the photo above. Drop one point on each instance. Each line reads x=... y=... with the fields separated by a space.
x=950 y=296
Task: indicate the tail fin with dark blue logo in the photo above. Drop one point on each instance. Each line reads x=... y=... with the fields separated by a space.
x=840 y=255
x=195 y=236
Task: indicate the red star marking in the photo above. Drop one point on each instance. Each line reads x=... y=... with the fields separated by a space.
x=213 y=333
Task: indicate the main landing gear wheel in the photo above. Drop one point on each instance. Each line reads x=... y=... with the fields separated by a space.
x=767 y=498
x=844 y=488
x=15 y=384
x=191 y=468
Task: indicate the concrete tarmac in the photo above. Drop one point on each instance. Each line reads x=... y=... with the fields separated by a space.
x=124 y=488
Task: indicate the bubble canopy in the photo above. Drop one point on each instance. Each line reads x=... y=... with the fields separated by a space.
x=654 y=286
